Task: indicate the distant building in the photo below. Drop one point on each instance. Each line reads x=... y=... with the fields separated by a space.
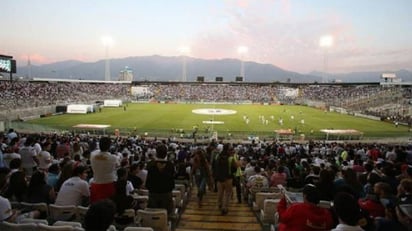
x=126 y=74
x=389 y=77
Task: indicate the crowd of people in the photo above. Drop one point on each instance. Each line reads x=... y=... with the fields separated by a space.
x=23 y=94
x=370 y=184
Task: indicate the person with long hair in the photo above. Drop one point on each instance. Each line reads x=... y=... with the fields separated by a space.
x=39 y=191
x=201 y=172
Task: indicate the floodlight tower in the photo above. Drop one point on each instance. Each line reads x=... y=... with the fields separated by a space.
x=107 y=43
x=184 y=51
x=325 y=42
x=242 y=51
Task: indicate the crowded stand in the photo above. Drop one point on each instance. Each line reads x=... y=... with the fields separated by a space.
x=389 y=102
x=22 y=94
x=282 y=182
x=375 y=180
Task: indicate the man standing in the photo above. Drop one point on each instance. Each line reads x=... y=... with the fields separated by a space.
x=160 y=181
x=104 y=165
x=223 y=168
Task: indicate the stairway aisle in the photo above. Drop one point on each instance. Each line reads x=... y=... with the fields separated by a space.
x=209 y=218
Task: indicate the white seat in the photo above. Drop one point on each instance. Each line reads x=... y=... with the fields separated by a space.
x=154 y=218
x=177 y=194
x=128 y=217
x=260 y=198
x=42 y=207
x=42 y=227
x=184 y=193
x=7 y=226
x=141 y=200
x=81 y=213
x=325 y=204
x=32 y=220
x=62 y=213
x=143 y=192
x=267 y=214
x=68 y=223
x=129 y=228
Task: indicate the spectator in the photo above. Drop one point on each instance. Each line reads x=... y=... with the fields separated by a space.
x=28 y=156
x=304 y=215
x=224 y=167
x=347 y=211
x=16 y=189
x=132 y=176
x=39 y=191
x=201 y=171
x=53 y=175
x=104 y=172
x=278 y=177
x=75 y=190
x=44 y=157
x=160 y=181
x=100 y=216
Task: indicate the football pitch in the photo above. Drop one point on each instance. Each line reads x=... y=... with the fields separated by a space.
x=240 y=121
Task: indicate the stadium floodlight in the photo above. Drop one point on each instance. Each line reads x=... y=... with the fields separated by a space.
x=107 y=42
x=184 y=50
x=242 y=51
x=325 y=42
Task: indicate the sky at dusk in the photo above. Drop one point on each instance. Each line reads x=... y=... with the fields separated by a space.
x=368 y=35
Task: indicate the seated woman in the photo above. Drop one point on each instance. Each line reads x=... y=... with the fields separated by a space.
x=39 y=191
x=16 y=188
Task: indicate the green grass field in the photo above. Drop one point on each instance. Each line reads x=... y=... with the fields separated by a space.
x=165 y=119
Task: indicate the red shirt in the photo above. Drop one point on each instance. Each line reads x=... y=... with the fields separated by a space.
x=374 y=208
x=303 y=217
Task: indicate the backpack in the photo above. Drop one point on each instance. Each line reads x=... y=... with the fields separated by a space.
x=223 y=168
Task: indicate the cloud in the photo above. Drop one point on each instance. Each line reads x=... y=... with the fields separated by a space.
x=272 y=33
x=36 y=59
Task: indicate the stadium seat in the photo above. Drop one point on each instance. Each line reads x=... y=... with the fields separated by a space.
x=267 y=214
x=32 y=220
x=325 y=204
x=80 y=213
x=42 y=207
x=260 y=198
x=68 y=223
x=7 y=226
x=154 y=218
x=62 y=213
x=129 y=228
x=43 y=227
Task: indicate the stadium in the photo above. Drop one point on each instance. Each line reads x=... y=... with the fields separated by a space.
x=236 y=111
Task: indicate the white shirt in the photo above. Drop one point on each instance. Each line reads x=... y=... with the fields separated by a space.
x=8 y=157
x=27 y=153
x=44 y=158
x=104 y=167
x=72 y=191
x=129 y=188
x=345 y=227
x=143 y=175
x=5 y=209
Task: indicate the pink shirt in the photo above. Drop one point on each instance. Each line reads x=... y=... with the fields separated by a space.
x=278 y=178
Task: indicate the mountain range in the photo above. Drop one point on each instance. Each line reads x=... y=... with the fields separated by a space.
x=163 y=68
